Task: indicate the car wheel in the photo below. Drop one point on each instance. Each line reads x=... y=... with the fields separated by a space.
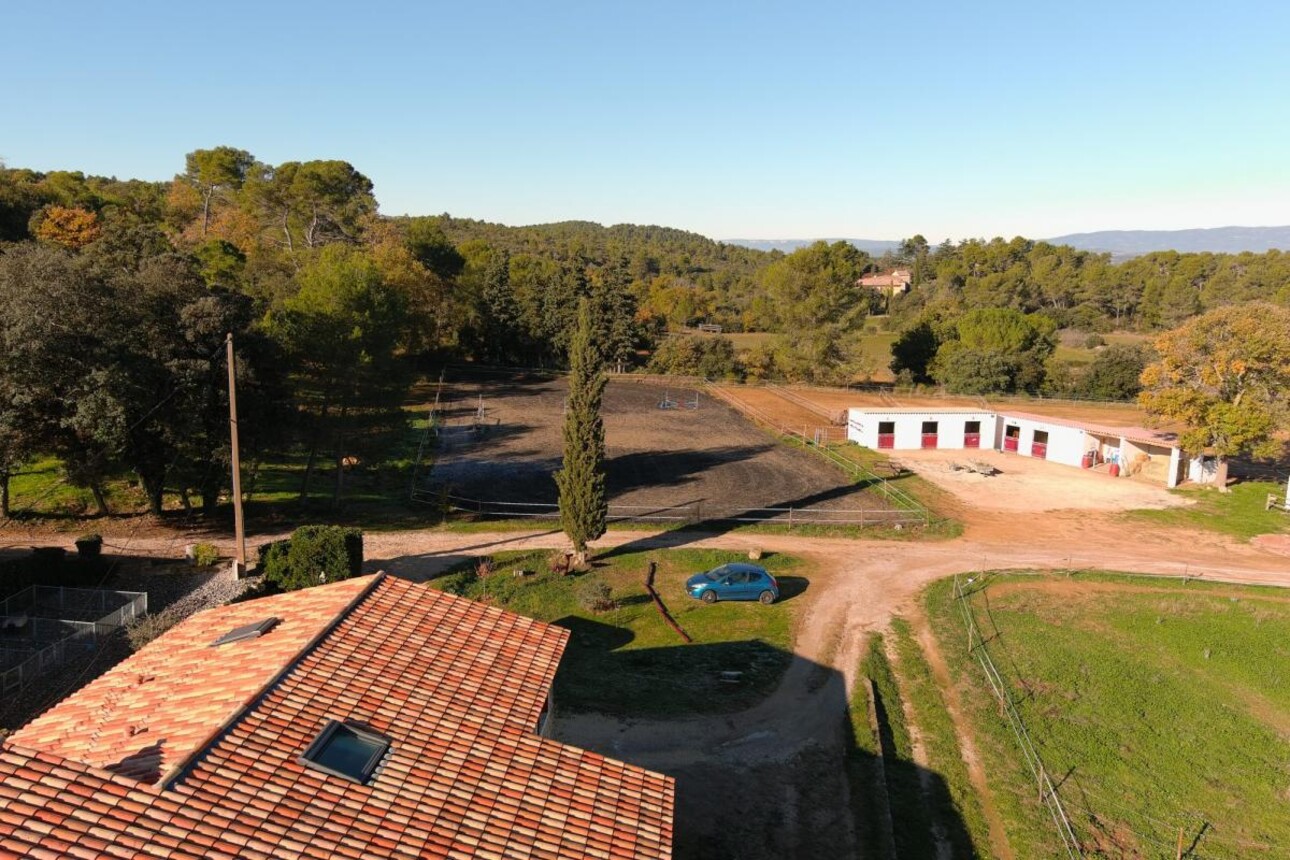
x=709 y=596
x=767 y=597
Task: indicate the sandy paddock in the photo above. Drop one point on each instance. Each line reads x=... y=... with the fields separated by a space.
x=1024 y=484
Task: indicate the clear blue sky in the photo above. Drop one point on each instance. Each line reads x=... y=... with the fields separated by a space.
x=747 y=119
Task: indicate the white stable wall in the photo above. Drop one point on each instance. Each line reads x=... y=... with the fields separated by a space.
x=862 y=427
x=1065 y=444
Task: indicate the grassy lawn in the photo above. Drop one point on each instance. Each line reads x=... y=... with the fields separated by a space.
x=40 y=489
x=376 y=495
x=627 y=660
x=1155 y=706
x=1239 y=513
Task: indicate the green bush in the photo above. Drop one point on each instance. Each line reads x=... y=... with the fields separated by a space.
x=205 y=554
x=1093 y=341
x=313 y=555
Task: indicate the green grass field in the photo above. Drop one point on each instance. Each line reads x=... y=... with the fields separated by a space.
x=1157 y=706
x=1241 y=512
x=627 y=660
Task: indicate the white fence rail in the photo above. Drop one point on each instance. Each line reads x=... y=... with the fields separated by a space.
x=37 y=636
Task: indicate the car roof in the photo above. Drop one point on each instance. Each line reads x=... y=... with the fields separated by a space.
x=741 y=566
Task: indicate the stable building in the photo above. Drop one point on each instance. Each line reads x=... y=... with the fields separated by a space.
x=1130 y=451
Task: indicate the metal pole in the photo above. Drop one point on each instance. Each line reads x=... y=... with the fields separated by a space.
x=239 y=529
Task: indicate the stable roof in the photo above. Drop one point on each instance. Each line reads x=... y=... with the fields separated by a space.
x=190 y=751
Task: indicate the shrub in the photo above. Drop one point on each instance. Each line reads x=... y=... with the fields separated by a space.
x=1093 y=341
x=709 y=357
x=273 y=560
x=145 y=628
x=205 y=554
x=89 y=546
x=313 y=555
x=595 y=595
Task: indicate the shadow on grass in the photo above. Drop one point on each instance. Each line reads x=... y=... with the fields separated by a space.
x=761 y=780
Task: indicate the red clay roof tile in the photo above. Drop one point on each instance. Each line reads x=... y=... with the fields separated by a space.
x=455 y=685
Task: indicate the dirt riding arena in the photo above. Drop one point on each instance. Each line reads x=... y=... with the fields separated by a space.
x=501 y=442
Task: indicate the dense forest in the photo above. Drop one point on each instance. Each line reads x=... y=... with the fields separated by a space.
x=116 y=295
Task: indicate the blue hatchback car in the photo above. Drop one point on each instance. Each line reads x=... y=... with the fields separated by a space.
x=733 y=582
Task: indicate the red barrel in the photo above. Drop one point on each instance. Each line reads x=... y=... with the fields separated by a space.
x=1114 y=471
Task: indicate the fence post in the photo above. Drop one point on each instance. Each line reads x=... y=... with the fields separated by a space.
x=790 y=517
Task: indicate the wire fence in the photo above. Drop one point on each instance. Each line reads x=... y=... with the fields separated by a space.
x=813 y=440
x=688 y=512
x=42 y=627
x=1008 y=706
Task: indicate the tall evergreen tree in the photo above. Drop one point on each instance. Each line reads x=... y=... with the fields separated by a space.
x=583 y=505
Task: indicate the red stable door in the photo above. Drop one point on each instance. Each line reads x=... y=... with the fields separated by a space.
x=972 y=434
x=931 y=430
x=886 y=434
x=1011 y=438
x=1039 y=448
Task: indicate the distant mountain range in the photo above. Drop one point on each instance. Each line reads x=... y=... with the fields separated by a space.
x=876 y=247
x=1131 y=243
x=1119 y=243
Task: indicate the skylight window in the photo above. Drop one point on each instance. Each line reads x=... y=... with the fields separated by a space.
x=345 y=750
x=246 y=631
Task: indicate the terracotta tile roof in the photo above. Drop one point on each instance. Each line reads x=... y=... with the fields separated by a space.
x=157 y=707
x=456 y=686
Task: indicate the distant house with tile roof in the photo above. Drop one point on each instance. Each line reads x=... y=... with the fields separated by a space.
x=892 y=283
x=371 y=718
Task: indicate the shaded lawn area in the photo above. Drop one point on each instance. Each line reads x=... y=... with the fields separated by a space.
x=1240 y=513
x=1155 y=706
x=627 y=660
x=40 y=489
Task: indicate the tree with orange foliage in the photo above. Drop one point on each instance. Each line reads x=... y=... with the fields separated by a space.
x=70 y=227
x=1225 y=376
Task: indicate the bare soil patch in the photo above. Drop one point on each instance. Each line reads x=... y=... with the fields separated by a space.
x=784 y=412
x=1024 y=484
x=710 y=458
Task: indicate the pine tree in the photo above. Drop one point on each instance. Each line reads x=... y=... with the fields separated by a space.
x=583 y=506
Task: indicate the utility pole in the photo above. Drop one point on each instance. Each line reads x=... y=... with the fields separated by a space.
x=239 y=529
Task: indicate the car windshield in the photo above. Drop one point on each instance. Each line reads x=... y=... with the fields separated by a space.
x=716 y=573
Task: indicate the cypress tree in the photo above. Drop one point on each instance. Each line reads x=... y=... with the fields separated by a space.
x=583 y=506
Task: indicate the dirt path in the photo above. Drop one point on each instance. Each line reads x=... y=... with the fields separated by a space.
x=966 y=742
x=918 y=748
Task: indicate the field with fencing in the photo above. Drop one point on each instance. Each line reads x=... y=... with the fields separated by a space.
x=675 y=454
x=1125 y=716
